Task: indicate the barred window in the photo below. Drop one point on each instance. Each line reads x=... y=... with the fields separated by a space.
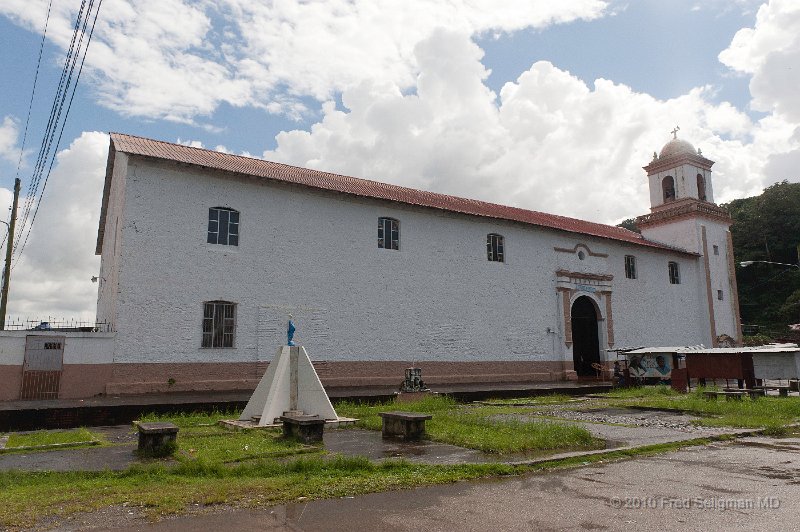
x=674 y=273
x=630 y=266
x=495 y=245
x=388 y=233
x=219 y=323
x=223 y=226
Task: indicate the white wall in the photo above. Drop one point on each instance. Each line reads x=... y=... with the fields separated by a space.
x=685 y=177
x=107 y=289
x=79 y=347
x=315 y=254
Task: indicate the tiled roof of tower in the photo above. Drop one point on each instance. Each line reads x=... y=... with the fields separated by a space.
x=350 y=185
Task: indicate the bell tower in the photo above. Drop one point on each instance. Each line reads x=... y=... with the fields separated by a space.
x=683 y=214
x=679 y=172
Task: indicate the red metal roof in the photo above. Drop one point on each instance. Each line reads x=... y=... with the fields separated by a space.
x=358 y=187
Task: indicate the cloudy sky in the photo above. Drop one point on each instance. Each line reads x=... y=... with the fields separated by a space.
x=551 y=106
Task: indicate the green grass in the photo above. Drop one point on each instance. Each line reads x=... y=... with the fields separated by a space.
x=200 y=438
x=258 y=468
x=158 y=490
x=26 y=497
x=483 y=428
x=192 y=419
x=771 y=413
x=217 y=444
x=535 y=400
x=50 y=437
x=642 y=391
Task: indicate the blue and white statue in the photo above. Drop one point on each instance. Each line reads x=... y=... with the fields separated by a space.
x=290 y=332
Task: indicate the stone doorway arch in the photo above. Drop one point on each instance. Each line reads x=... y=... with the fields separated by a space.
x=585 y=336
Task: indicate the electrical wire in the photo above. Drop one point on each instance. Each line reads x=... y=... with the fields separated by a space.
x=47 y=138
x=33 y=90
x=61 y=132
x=49 y=148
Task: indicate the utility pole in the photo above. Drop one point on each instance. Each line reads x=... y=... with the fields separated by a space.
x=9 y=249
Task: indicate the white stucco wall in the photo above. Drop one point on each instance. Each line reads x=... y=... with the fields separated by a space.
x=685 y=177
x=776 y=365
x=687 y=233
x=108 y=285
x=315 y=254
x=79 y=347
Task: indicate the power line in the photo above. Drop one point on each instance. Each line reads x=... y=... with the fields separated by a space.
x=33 y=91
x=61 y=132
x=74 y=51
x=44 y=149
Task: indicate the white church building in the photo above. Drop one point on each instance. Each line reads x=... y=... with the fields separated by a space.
x=205 y=255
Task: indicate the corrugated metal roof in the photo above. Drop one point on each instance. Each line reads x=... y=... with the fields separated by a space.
x=700 y=349
x=156 y=149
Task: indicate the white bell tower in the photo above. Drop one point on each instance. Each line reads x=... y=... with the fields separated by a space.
x=683 y=214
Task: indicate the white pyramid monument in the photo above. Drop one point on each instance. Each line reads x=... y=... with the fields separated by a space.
x=290 y=384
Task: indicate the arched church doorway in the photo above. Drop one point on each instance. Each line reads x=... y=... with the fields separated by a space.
x=585 y=339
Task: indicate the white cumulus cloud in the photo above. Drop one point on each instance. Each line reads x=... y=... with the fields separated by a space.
x=9 y=132
x=179 y=60
x=52 y=279
x=547 y=142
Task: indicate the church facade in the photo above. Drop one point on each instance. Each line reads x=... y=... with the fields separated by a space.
x=205 y=255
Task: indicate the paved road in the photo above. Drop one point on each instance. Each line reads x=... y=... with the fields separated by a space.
x=750 y=484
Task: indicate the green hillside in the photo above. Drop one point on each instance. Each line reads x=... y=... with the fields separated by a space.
x=767 y=228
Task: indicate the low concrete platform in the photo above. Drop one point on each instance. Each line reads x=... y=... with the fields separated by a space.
x=115 y=410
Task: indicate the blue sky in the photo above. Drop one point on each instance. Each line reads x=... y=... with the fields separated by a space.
x=496 y=101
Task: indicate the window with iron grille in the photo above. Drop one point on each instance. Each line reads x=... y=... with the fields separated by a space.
x=630 y=266
x=219 y=323
x=388 y=233
x=223 y=226
x=674 y=273
x=495 y=245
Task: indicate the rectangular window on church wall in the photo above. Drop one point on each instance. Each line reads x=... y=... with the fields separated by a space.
x=674 y=273
x=223 y=226
x=495 y=245
x=219 y=323
x=630 y=266
x=388 y=233
x=716 y=250
x=719 y=295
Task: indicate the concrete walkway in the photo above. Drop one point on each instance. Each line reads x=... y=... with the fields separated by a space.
x=744 y=485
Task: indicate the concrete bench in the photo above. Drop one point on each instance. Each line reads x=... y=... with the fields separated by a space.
x=738 y=394
x=406 y=425
x=307 y=429
x=755 y=393
x=157 y=438
x=783 y=391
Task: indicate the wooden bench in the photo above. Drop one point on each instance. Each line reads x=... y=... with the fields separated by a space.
x=157 y=438
x=307 y=429
x=406 y=425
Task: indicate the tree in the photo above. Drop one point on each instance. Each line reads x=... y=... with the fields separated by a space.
x=630 y=224
x=767 y=228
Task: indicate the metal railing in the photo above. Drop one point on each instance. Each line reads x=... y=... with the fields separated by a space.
x=57 y=325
